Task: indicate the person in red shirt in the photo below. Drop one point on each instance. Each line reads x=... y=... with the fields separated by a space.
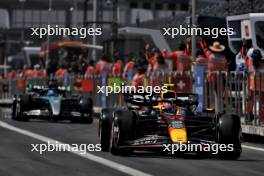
x=28 y=73
x=188 y=45
x=90 y=69
x=117 y=67
x=35 y=71
x=103 y=66
x=12 y=74
x=201 y=60
x=181 y=61
x=42 y=73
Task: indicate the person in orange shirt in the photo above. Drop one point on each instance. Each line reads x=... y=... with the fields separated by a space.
x=153 y=61
x=128 y=69
x=61 y=72
x=217 y=62
x=90 y=69
x=117 y=67
x=103 y=66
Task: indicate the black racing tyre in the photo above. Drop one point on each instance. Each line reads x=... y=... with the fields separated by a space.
x=86 y=109
x=24 y=102
x=22 y=105
x=122 y=131
x=105 y=124
x=14 y=112
x=86 y=105
x=229 y=133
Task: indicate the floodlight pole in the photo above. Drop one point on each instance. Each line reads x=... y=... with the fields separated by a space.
x=94 y=26
x=193 y=36
x=48 y=37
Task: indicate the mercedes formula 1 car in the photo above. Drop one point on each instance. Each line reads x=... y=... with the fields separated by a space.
x=155 y=122
x=53 y=103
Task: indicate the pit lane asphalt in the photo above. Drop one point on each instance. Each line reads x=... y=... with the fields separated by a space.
x=17 y=159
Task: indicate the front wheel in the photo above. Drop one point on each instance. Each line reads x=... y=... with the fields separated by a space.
x=229 y=133
x=122 y=131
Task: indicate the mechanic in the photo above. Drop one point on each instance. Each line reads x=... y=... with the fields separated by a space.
x=90 y=69
x=216 y=62
x=167 y=58
x=103 y=66
x=153 y=60
x=242 y=60
x=27 y=73
x=201 y=60
x=12 y=74
x=117 y=67
x=183 y=61
x=140 y=76
x=188 y=45
x=256 y=65
x=159 y=70
x=61 y=72
x=35 y=71
x=42 y=73
x=128 y=70
x=160 y=66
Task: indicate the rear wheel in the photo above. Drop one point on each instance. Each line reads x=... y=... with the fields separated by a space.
x=122 y=131
x=229 y=133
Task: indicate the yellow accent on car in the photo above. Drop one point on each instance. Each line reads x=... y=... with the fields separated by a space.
x=178 y=135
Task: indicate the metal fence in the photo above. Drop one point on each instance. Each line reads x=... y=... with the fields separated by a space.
x=236 y=92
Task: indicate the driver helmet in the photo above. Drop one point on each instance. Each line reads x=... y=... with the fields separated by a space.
x=51 y=93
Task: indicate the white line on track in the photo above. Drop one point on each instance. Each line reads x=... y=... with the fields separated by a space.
x=100 y=160
x=253 y=148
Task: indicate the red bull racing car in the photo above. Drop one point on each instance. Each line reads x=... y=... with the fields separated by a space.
x=166 y=122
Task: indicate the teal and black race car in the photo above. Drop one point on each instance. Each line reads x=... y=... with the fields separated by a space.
x=52 y=103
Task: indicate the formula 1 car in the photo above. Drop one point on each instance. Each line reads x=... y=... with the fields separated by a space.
x=53 y=103
x=150 y=123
